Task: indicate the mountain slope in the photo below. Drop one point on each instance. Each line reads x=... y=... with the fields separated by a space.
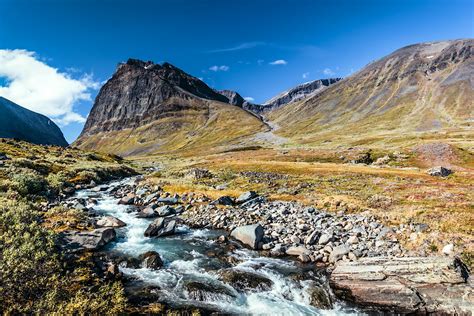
x=424 y=89
x=21 y=123
x=149 y=108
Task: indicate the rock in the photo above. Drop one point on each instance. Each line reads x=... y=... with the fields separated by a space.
x=353 y=240
x=418 y=285
x=245 y=197
x=439 y=171
x=312 y=238
x=207 y=292
x=338 y=252
x=110 y=221
x=243 y=280
x=165 y=211
x=128 y=199
x=3 y=156
x=162 y=226
x=147 y=212
x=304 y=258
x=297 y=251
x=224 y=200
x=150 y=197
x=382 y=160
x=221 y=187
x=319 y=297
x=167 y=200
x=151 y=260
x=250 y=235
x=364 y=158
x=91 y=240
x=448 y=249
x=113 y=271
x=324 y=239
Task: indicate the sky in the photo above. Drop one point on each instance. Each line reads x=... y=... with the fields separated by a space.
x=56 y=54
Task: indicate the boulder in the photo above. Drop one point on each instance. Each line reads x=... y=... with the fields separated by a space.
x=162 y=226
x=224 y=200
x=297 y=251
x=448 y=249
x=89 y=240
x=324 y=239
x=319 y=297
x=312 y=238
x=167 y=200
x=127 y=199
x=151 y=260
x=250 y=235
x=243 y=280
x=165 y=211
x=208 y=292
x=439 y=171
x=110 y=221
x=147 y=212
x=415 y=285
x=245 y=197
x=338 y=252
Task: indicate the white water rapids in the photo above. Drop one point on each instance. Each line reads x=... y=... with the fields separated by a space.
x=185 y=259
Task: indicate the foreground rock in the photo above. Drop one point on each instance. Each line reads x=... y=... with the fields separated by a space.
x=439 y=171
x=250 y=235
x=151 y=260
x=110 y=221
x=91 y=240
x=161 y=227
x=406 y=285
x=243 y=280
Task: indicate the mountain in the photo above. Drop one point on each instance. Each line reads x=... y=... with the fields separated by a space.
x=233 y=97
x=423 y=90
x=299 y=92
x=150 y=108
x=18 y=122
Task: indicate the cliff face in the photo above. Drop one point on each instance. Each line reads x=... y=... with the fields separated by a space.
x=21 y=123
x=146 y=107
x=422 y=88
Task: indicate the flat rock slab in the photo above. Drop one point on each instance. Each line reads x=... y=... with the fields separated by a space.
x=406 y=285
x=88 y=240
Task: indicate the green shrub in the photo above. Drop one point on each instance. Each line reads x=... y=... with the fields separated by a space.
x=57 y=182
x=28 y=183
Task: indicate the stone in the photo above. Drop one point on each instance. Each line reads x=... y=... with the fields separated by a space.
x=147 y=212
x=251 y=235
x=297 y=251
x=167 y=200
x=439 y=171
x=448 y=249
x=165 y=211
x=407 y=285
x=224 y=200
x=353 y=240
x=208 y=292
x=324 y=239
x=319 y=297
x=88 y=240
x=160 y=227
x=151 y=260
x=245 y=197
x=312 y=238
x=243 y=280
x=110 y=221
x=338 y=252
x=128 y=199
x=304 y=258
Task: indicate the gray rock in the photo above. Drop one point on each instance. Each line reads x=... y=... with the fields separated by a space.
x=250 y=235
x=129 y=199
x=224 y=200
x=151 y=260
x=297 y=251
x=243 y=280
x=110 y=221
x=247 y=196
x=89 y=240
x=338 y=252
x=312 y=238
x=448 y=249
x=439 y=171
x=168 y=200
x=324 y=239
x=161 y=227
x=165 y=211
x=147 y=212
x=409 y=285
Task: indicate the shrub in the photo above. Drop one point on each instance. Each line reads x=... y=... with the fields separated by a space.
x=57 y=182
x=28 y=183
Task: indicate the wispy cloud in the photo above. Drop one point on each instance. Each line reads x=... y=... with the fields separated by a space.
x=249 y=99
x=41 y=88
x=279 y=62
x=219 y=68
x=246 y=45
x=328 y=72
x=305 y=75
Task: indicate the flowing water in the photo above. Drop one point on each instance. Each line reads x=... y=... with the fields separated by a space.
x=187 y=257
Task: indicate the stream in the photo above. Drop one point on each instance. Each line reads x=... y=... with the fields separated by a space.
x=189 y=258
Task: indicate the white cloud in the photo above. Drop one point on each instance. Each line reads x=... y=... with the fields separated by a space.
x=246 y=45
x=279 y=62
x=219 y=68
x=305 y=75
x=260 y=61
x=41 y=88
x=249 y=99
x=328 y=72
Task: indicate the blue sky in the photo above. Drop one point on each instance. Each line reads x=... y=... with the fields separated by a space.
x=84 y=40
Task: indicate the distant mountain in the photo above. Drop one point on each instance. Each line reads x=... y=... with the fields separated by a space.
x=424 y=88
x=21 y=123
x=299 y=92
x=233 y=97
x=148 y=108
